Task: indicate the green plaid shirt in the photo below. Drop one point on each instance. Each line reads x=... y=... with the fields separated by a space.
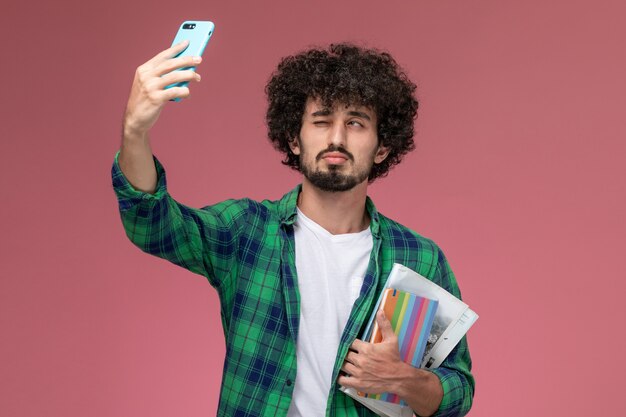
x=246 y=250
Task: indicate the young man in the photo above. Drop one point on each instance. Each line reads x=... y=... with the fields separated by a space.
x=298 y=277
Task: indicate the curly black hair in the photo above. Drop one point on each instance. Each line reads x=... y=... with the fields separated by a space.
x=348 y=74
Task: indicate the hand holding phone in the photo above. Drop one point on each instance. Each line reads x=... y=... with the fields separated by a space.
x=197 y=34
x=147 y=97
x=163 y=78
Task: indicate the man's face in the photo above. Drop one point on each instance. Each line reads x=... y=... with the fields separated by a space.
x=337 y=146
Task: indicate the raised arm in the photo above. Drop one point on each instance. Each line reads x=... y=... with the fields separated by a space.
x=147 y=98
x=200 y=240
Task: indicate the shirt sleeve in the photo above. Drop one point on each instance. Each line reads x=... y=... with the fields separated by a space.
x=455 y=371
x=203 y=241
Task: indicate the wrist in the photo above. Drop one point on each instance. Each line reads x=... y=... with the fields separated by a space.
x=134 y=128
x=408 y=378
x=132 y=134
x=421 y=390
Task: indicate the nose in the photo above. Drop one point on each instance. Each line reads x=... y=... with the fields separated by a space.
x=338 y=135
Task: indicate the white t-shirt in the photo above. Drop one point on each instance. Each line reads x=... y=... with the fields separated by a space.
x=330 y=271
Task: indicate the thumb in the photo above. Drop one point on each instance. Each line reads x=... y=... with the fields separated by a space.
x=385 y=326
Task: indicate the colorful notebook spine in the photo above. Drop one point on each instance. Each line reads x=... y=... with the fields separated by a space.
x=411 y=318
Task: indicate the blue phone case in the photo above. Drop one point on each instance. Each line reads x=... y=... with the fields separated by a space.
x=198 y=34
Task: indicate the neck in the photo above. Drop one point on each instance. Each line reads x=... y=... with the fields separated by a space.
x=338 y=212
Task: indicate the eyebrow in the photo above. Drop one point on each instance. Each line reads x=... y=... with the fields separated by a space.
x=359 y=114
x=327 y=112
x=323 y=112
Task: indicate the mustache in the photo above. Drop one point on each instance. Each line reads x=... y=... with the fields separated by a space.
x=334 y=148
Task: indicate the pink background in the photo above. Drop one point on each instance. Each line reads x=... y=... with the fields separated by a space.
x=519 y=175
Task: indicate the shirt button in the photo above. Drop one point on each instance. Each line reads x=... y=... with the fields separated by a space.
x=289 y=382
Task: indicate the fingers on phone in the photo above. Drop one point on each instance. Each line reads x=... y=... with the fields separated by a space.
x=177 y=77
x=169 y=53
x=177 y=48
x=177 y=92
x=174 y=64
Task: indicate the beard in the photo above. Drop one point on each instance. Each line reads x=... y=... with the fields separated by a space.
x=333 y=180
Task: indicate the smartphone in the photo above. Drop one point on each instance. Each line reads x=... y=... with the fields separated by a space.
x=198 y=34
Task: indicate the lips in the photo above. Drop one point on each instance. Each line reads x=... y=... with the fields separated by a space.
x=334 y=158
x=335 y=155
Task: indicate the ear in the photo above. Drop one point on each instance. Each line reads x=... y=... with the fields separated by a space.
x=294 y=145
x=381 y=154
